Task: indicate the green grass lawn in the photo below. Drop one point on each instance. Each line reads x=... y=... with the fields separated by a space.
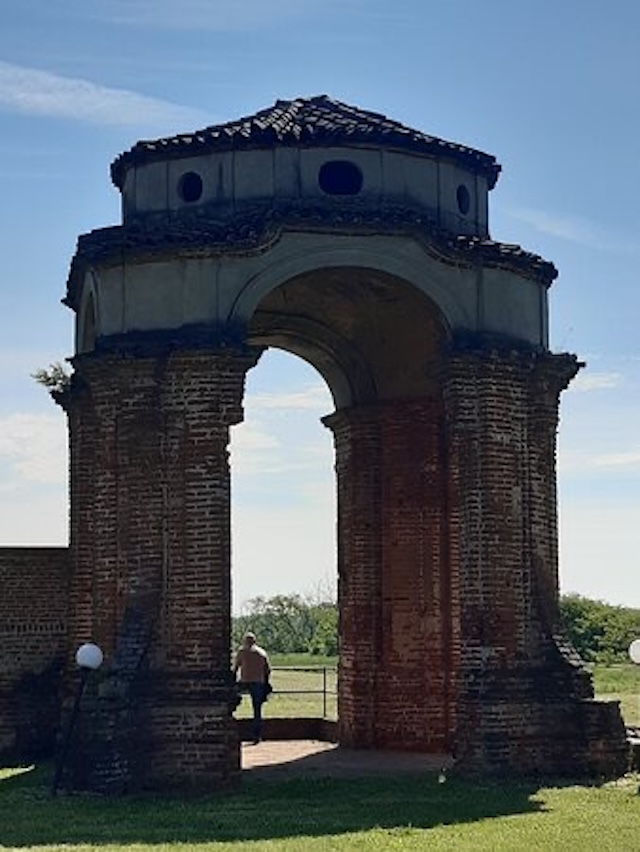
x=390 y=813
x=622 y=683
x=384 y=813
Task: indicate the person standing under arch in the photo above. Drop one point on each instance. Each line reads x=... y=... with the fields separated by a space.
x=253 y=663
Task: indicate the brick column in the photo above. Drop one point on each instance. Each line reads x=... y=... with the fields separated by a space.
x=486 y=401
x=520 y=694
x=357 y=442
x=415 y=696
x=548 y=378
x=151 y=551
x=394 y=580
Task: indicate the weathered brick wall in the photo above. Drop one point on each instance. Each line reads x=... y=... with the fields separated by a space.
x=396 y=625
x=447 y=551
x=358 y=472
x=34 y=585
x=414 y=699
x=448 y=576
x=151 y=547
x=524 y=705
x=487 y=419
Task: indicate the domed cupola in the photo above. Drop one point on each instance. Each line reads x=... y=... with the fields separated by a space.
x=308 y=153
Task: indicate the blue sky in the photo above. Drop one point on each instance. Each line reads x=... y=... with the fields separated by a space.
x=549 y=87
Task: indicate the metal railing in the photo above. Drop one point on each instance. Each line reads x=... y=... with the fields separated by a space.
x=327 y=678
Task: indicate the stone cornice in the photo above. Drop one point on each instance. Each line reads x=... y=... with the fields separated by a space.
x=548 y=371
x=255 y=228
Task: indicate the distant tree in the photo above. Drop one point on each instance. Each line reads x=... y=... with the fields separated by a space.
x=599 y=631
x=325 y=635
x=290 y=624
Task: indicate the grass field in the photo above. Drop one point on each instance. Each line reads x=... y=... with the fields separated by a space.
x=308 y=690
x=390 y=813
x=383 y=813
x=622 y=683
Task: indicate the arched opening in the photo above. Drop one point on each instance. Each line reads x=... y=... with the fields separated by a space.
x=372 y=336
x=87 y=326
x=284 y=543
x=283 y=491
x=379 y=343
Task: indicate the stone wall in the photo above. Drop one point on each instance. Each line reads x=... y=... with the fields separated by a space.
x=34 y=589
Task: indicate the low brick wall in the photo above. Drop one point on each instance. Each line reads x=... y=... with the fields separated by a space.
x=324 y=730
x=34 y=590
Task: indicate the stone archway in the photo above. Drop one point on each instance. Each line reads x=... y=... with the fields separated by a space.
x=363 y=246
x=380 y=344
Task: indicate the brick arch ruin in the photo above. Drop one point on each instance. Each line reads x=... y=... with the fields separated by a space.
x=364 y=247
x=380 y=345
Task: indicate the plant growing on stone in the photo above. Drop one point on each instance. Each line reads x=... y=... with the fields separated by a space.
x=55 y=378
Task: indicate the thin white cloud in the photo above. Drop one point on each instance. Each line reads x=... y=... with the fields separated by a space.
x=312 y=398
x=248 y=438
x=575 y=229
x=34 y=92
x=253 y=467
x=207 y=15
x=589 y=381
x=281 y=435
x=629 y=458
x=33 y=449
x=273 y=447
x=255 y=451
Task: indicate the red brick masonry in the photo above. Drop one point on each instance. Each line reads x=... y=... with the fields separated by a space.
x=34 y=606
x=448 y=588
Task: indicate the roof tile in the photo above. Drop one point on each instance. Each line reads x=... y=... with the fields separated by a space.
x=318 y=120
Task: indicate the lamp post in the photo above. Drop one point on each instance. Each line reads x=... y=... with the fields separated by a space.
x=89 y=657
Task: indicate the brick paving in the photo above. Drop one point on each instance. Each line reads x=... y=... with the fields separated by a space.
x=313 y=758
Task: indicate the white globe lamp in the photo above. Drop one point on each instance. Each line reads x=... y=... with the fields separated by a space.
x=89 y=656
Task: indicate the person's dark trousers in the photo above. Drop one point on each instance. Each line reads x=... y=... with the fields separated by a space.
x=257 y=691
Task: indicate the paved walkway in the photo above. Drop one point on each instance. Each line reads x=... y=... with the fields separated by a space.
x=295 y=758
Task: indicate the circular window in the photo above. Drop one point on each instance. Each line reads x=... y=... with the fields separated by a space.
x=190 y=186
x=340 y=177
x=463 y=198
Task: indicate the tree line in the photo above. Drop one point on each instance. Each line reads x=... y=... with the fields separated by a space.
x=293 y=624
x=600 y=632
x=290 y=624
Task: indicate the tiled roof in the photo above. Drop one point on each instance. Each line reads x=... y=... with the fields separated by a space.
x=318 y=121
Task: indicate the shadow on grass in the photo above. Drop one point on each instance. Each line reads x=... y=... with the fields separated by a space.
x=259 y=810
